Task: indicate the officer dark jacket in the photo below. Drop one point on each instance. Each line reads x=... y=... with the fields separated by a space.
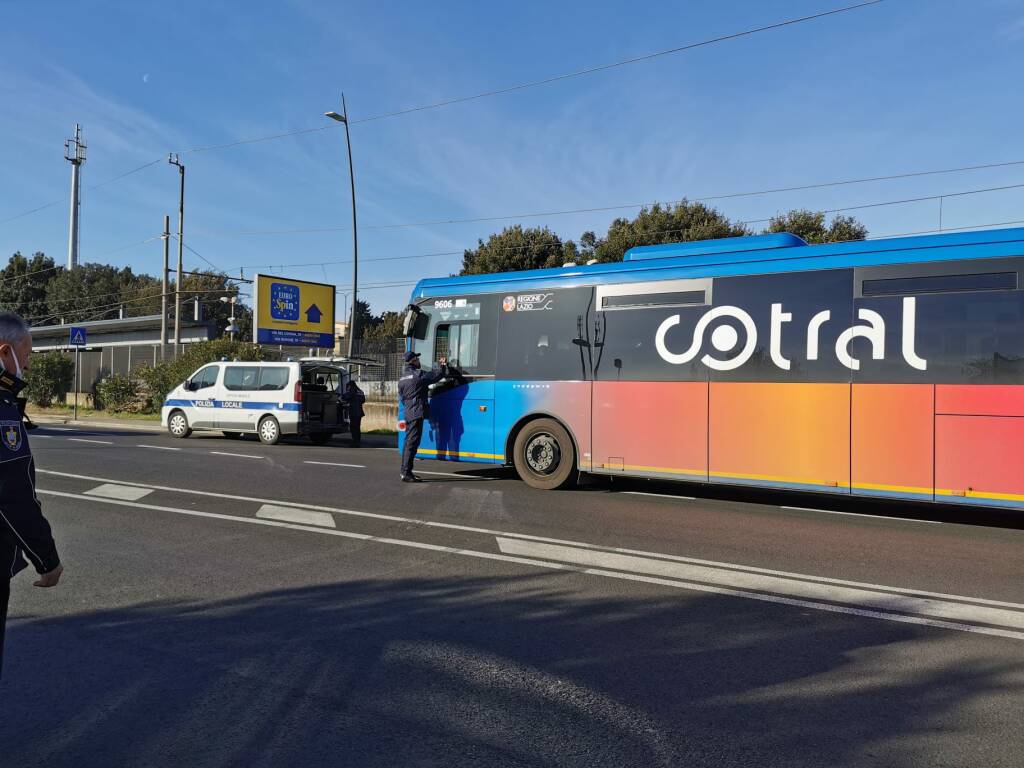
x=24 y=531
x=412 y=389
x=355 y=399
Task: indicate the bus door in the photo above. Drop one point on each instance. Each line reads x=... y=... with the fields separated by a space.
x=649 y=414
x=461 y=422
x=545 y=350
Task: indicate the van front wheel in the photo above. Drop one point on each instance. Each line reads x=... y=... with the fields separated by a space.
x=544 y=455
x=269 y=430
x=178 y=426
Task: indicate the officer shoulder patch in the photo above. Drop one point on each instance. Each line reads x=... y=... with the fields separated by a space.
x=11 y=435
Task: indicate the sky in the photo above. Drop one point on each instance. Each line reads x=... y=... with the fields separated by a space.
x=900 y=86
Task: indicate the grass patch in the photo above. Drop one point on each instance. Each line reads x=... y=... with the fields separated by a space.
x=91 y=413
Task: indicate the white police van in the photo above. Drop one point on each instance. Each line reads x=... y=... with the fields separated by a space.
x=266 y=399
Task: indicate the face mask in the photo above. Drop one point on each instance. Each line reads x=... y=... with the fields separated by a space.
x=17 y=365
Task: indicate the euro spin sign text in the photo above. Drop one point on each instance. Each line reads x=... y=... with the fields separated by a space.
x=725 y=339
x=293 y=312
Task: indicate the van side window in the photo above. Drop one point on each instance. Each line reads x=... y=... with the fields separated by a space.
x=206 y=377
x=239 y=378
x=273 y=378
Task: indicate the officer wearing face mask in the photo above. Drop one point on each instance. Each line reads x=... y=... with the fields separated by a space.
x=413 y=390
x=24 y=532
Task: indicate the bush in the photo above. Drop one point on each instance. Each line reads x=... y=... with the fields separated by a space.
x=162 y=378
x=50 y=376
x=121 y=394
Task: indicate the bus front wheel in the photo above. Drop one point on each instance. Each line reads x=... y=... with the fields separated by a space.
x=544 y=455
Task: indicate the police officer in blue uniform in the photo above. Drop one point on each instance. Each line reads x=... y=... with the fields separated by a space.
x=24 y=531
x=413 y=392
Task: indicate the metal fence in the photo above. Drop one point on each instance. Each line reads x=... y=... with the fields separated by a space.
x=386 y=358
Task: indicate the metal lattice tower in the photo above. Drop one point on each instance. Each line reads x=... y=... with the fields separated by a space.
x=74 y=153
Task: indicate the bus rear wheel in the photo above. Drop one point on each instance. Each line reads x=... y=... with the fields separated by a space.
x=544 y=455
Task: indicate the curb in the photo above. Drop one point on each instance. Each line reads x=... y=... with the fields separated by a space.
x=43 y=419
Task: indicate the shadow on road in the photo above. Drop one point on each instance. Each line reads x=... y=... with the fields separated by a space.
x=493 y=672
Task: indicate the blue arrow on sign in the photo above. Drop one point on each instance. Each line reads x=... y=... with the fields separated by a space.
x=78 y=336
x=313 y=314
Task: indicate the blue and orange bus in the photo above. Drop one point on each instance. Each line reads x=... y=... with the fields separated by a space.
x=885 y=368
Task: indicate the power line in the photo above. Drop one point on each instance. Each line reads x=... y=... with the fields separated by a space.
x=657 y=231
x=620 y=206
x=549 y=80
x=94 y=186
x=57 y=267
x=623 y=63
x=197 y=253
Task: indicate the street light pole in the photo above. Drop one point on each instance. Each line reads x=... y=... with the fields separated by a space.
x=343 y=118
x=174 y=160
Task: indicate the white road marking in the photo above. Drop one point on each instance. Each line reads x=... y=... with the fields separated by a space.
x=450 y=474
x=158 y=447
x=291 y=515
x=58 y=429
x=48 y=437
x=335 y=464
x=863 y=514
x=123 y=492
x=563 y=566
x=861 y=599
x=660 y=495
x=86 y=440
x=236 y=455
x=530 y=537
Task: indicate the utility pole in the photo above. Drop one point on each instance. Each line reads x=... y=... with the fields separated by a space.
x=74 y=153
x=164 y=287
x=343 y=118
x=175 y=160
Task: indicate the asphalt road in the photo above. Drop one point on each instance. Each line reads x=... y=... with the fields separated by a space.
x=228 y=603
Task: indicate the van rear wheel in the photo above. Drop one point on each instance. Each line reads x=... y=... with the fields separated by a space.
x=544 y=455
x=269 y=430
x=178 y=426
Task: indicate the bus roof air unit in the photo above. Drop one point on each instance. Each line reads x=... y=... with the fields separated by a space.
x=718 y=246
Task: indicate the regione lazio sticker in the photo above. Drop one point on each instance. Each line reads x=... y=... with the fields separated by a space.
x=11 y=431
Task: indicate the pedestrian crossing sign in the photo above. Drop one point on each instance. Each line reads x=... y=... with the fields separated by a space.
x=78 y=336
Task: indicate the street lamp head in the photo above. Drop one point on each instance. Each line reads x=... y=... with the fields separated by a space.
x=336 y=116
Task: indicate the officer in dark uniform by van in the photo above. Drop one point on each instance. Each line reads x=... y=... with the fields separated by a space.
x=412 y=390
x=355 y=397
x=24 y=531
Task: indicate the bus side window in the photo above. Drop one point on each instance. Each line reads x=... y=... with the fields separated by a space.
x=459 y=342
x=441 y=338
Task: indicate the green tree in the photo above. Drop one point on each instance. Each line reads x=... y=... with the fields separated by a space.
x=89 y=292
x=209 y=288
x=515 y=248
x=386 y=326
x=49 y=378
x=23 y=284
x=811 y=226
x=684 y=221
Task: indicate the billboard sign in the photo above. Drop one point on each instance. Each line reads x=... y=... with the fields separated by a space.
x=293 y=312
